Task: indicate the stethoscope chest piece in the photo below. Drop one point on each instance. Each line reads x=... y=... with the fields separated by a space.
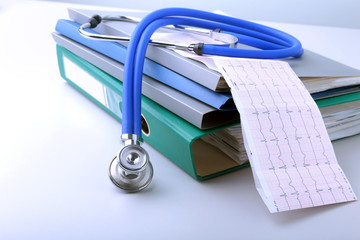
x=131 y=169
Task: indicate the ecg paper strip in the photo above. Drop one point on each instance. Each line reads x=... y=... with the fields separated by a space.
x=292 y=159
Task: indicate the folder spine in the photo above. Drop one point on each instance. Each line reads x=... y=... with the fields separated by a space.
x=221 y=101
x=195 y=112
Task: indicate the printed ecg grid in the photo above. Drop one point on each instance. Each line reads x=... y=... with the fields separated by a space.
x=291 y=155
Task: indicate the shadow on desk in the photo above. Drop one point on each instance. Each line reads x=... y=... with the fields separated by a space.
x=242 y=182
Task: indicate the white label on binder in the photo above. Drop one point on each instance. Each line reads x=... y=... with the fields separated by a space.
x=292 y=159
x=85 y=81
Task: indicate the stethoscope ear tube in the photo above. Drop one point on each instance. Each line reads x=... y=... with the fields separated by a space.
x=223 y=39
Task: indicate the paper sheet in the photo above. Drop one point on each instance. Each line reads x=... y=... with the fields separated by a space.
x=292 y=159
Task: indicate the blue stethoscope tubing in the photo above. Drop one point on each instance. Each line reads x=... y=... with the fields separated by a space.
x=274 y=44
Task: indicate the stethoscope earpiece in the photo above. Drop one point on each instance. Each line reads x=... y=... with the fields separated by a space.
x=131 y=169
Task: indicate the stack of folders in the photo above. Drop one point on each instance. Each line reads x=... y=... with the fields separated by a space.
x=188 y=113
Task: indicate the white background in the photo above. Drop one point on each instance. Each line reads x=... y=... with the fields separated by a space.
x=344 y=13
x=55 y=147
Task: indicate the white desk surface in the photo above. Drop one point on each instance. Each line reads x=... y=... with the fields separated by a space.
x=56 y=146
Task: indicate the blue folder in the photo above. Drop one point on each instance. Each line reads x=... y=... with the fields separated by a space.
x=221 y=101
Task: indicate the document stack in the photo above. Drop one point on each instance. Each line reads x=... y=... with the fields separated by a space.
x=188 y=113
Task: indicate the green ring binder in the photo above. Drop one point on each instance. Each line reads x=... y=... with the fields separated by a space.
x=177 y=139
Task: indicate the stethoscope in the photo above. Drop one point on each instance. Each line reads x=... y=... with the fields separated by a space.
x=131 y=168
